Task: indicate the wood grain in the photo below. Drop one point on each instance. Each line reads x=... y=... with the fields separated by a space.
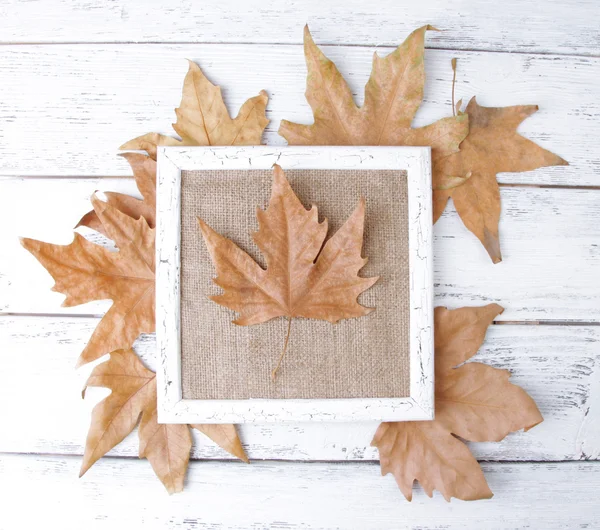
x=117 y=92
x=549 y=243
x=558 y=365
x=562 y=26
x=123 y=493
x=65 y=108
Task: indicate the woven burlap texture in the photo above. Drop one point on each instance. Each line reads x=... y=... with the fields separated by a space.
x=364 y=357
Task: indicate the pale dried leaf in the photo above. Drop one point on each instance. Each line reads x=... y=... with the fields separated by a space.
x=150 y=142
x=203 y=119
x=459 y=333
x=474 y=401
x=84 y=272
x=478 y=403
x=493 y=146
x=144 y=172
x=166 y=446
x=225 y=436
x=427 y=452
x=133 y=394
x=393 y=95
x=132 y=386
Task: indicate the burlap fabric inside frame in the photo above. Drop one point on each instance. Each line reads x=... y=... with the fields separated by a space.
x=366 y=357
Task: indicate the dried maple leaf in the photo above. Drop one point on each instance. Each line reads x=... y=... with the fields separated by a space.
x=84 y=272
x=491 y=147
x=303 y=278
x=393 y=95
x=474 y=401
x=133 y=395
x=144 y=172
x=202 y=118
x=224 y=435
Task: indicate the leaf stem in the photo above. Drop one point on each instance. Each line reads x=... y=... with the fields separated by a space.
x=287 y=338
x=453 y=63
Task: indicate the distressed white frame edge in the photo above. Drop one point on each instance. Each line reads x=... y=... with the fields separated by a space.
x=172 y=408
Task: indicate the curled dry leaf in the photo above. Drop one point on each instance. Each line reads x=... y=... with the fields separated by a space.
x=393 y=95
x=492 y=146
x=133 y=395
x=474 y=401
x=296 y=282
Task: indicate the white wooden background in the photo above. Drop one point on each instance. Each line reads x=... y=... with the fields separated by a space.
x=80 y=77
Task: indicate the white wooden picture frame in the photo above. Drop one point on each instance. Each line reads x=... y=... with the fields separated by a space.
x=172 y=408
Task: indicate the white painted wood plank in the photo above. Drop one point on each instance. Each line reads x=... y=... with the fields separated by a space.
x=123 y=493
x=549 y=243
x=561 y=26
x=41 y=410
x=589 y=432
x=66 y=109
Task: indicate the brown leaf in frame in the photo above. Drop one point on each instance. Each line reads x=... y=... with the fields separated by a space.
x=296 y=282
x=474 y=401
x=304 y=278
